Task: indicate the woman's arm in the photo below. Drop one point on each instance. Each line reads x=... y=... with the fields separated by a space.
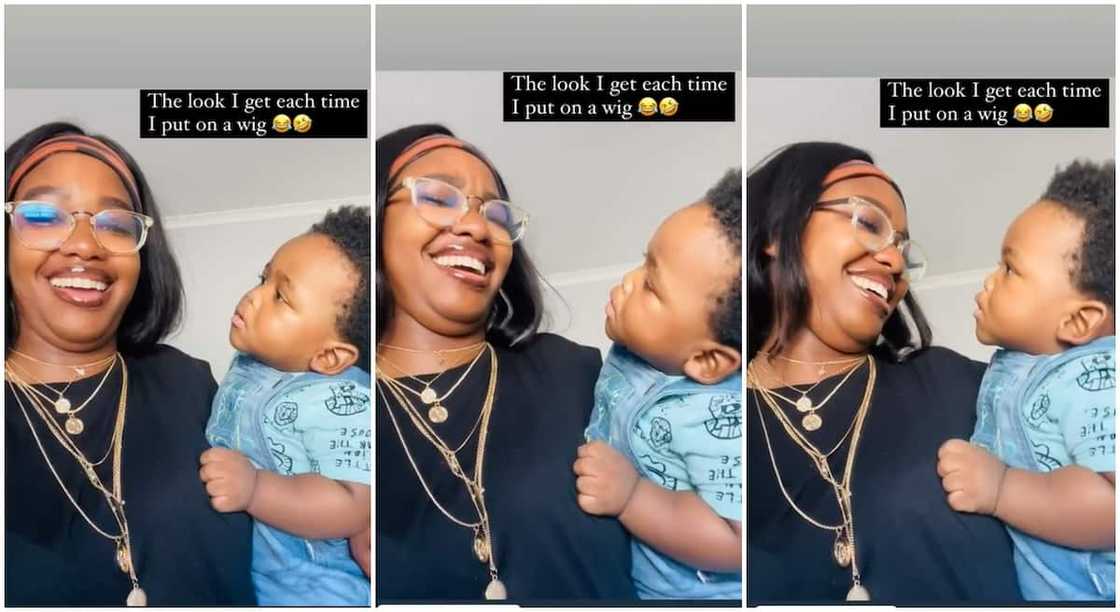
x=677 y=523
x=307 y=505
x=1071 y=506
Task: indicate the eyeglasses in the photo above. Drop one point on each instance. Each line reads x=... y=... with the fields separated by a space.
x=444 y=205
x=875 y=232
x=45 y=226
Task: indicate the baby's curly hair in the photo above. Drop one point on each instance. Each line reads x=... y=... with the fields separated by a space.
x=349 y=228
x=725 y=200
x=1088 y=191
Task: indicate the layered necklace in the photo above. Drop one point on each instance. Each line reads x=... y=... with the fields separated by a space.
x=62 y=405
x=41 y=405
x=844 y=544
x=437 y=412
x=811 y=421
x=482 y=543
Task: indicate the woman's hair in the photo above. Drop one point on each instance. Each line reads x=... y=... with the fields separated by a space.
x=520 y=286
x=348 y=229
x=781 y=193
x=156 y=306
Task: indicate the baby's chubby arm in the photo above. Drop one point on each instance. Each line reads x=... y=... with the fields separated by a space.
x=677 y=523
x=1071 y=506
x=306 y=505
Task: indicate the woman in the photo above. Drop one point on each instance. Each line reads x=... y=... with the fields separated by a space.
x=92 y=289
x=840 y=357
x=454 y=280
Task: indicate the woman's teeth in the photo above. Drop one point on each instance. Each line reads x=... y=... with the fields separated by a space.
x=870 y=285
x=78 y=283
x=461 y=261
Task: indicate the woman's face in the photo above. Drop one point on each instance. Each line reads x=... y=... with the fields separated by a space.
x=443 y=297
x=844 y=311
x=51 y=309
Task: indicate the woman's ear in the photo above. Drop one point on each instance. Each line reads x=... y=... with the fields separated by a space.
x=712 y=362
x=334 y=358
x=1085 y=322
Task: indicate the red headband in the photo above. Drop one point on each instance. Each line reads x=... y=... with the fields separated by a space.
x=76 y=143
x=418 y=148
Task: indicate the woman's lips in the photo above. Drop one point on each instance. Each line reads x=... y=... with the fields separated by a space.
x=881 y=305
x=473 y=279
x=85 y=298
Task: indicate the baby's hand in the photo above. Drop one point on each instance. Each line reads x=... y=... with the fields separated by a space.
x=606 y=479
x=230 y=479
x=971 y=476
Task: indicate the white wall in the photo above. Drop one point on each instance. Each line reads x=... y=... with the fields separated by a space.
x=596 y=191
x=962 y=186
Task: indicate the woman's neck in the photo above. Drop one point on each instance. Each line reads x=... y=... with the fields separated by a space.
x=803 y=359
x=409 y=348
x=45 y=362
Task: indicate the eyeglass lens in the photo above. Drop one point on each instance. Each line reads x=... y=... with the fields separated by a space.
x=443 y=205
x=43 y=225
x=876 y=233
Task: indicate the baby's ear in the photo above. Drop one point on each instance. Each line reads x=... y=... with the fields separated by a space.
x=1086 y=321
x=712 y=362
x=334 y=358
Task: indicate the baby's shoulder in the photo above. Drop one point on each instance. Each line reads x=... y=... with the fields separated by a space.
x=1088 y=369
x=315 y=398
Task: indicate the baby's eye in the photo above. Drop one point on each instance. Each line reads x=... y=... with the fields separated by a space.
x=279 y=297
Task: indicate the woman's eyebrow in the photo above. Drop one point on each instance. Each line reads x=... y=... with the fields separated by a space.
x=42 y=190
x=458 y=182
x=115 y=202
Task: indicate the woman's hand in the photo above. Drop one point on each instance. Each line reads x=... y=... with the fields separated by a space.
x=229 y=477
x=360 y=545
x=606 y=479
x=971 y=476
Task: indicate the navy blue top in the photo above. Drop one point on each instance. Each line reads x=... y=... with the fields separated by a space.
x=546 y=548
x=912 y=547
x=185 y=552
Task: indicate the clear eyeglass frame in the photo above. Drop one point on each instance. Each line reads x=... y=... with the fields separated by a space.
x=915 y=262
x=146 y=222
x=521 y=215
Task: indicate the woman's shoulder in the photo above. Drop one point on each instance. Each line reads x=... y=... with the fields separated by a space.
x=558 y=354
x=940 y=365
x=166 y=360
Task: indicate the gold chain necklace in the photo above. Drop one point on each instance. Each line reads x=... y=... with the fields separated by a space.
x=483 y=536
x=74 y=425
x=811 y=421
x=385 y=379
x=114 y=498
x=844 y=546
x=437 y=412
x=820 y=364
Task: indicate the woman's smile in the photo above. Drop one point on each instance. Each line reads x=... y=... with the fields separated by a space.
x=80 y=285
x=464 y=260
x=874 y=287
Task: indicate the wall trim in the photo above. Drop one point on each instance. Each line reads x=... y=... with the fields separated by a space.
x=973 y=277
x=261 y=213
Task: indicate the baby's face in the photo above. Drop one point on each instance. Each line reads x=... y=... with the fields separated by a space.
x=293 y=313
x=662 y=309
x=1024 y=299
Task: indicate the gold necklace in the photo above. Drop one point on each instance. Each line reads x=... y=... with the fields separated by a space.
x=440 y=353
x=483 y=540
x=437 y=412
x=74 y=425
x=844 y=546
x=385 y=379
x=811 y=421
x=61 y=404
x=820 y=364
x=114 y=498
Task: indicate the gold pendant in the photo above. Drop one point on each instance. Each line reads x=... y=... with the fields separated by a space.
x=437 y=413
x=428 y=396
x=495 y=590
x=804 y=404
x=136 y=598
x=811 y=422
x=123 y=557
x=858 y=593
x=62 y=405
x=481 y=549
x=74 y=426
x=842 y=552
